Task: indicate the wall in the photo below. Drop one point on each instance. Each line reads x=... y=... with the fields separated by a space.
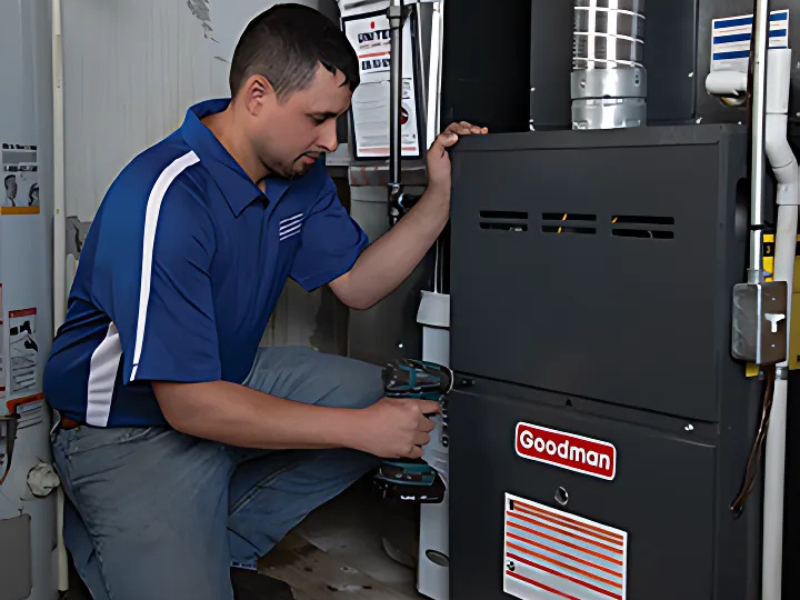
x=131 y=70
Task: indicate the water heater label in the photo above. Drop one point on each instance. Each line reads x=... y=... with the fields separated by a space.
x=566 y=450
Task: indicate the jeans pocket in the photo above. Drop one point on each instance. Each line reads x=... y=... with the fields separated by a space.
x=85 y=438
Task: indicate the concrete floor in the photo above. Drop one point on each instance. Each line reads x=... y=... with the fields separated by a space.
x=339 y=548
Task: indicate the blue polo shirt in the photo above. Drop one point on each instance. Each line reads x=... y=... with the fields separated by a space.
x=180 y=271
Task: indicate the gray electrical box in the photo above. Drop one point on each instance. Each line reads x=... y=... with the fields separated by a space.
x=600 y=428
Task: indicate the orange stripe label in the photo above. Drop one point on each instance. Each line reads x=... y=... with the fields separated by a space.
x=553 y=553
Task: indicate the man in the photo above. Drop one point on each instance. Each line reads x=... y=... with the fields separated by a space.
x=10 y=183
x=184 y=449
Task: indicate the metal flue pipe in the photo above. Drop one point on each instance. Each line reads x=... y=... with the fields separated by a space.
x=609 y=81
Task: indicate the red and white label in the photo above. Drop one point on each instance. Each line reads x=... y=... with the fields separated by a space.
x=566 y=450
x=555 y=555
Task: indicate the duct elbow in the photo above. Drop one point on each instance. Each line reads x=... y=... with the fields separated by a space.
x=782 y=160
x=727 y=84
x=779 y=152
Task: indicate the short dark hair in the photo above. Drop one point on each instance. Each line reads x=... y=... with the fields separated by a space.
x=8 y=178
x=286 y=44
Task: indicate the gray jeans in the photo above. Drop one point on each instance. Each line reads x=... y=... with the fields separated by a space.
x=155 y=514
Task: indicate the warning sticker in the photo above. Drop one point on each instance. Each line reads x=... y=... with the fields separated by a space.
x=551 y=554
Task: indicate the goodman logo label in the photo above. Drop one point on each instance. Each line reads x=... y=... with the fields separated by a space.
x=566 y=450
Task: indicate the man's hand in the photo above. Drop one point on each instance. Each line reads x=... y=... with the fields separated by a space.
x=438 y=158
x=396 y=427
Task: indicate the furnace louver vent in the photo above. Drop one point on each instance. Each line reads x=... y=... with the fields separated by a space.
x=504 y=220
x=568 y=223
x=655 y=228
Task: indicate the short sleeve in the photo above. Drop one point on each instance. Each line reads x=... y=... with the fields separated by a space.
x=158 y=290
x=331 y=242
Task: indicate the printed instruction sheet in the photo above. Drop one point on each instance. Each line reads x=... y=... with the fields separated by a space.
x=20 y=172
x=371 y=38
x=23 y=350
x=2 y=350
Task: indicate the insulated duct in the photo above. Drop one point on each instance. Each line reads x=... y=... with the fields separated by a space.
x=609 y=82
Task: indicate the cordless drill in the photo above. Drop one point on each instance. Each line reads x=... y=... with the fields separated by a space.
x=414 y=480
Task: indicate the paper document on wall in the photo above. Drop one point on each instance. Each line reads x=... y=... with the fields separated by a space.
x=2 y=350
x=371 y=39
x=349 y=8
x=23 y=351
x=19 y=168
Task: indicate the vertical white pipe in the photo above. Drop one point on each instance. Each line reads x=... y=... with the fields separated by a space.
x=59 y=208
x=433 y=77
x=59 y=242
x=774 y=469
x=784 y=166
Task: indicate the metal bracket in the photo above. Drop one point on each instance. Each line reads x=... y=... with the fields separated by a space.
x=759 y=332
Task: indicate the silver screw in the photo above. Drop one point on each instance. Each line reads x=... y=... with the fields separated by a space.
x=689 y=427
x=691 y=74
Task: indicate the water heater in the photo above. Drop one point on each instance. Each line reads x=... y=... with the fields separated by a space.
x=28 y=532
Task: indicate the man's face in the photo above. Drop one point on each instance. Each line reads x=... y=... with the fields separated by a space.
x=11 y=187
x=290 y=136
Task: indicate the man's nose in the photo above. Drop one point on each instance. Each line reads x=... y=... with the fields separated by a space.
x=329 y=140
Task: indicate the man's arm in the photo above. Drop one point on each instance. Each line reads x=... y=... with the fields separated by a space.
x=388 y=261
x=239 y=416
x=168 y=333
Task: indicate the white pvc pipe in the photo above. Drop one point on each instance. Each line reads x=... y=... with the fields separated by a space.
x=433 y=78
x=59 y=200
x=726 y=83
x=59 y=244
x=785 y=168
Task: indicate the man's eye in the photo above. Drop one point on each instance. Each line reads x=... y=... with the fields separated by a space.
x=318 y=120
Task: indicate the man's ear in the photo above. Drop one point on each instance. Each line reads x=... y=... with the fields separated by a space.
x=256 y=92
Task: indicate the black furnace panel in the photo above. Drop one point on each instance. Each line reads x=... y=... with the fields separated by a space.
x=599 y=429
x=575 y=254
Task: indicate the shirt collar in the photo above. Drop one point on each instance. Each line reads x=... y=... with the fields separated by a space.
x=237 y=187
